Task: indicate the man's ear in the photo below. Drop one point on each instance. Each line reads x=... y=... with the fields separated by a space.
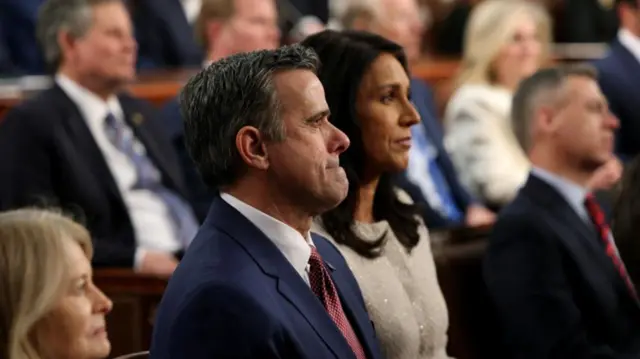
x=252 y=148
x=66 y=41
x=545 y=119
x=213 y=30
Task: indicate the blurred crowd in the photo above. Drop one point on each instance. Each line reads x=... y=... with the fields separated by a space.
x=307 y=117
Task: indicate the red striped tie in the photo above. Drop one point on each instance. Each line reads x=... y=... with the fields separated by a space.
x=597 y=216
x=325 y=290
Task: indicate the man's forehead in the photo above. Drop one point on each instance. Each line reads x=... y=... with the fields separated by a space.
x=583 y=86
x=244 y=7
x=300 y=90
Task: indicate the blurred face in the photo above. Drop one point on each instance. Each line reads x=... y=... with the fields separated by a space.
x=386 y=115
x=254 y=26
x=75 y=328
x=307 y=162
x=107 y=52
x=520 y=57
x=400 y=22
x=630 y=18
x=583 y=127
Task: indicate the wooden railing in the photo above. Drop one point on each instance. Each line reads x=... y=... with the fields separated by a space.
x=473 y=328
x=159 y=87
x=135 y=298
x=458 y=256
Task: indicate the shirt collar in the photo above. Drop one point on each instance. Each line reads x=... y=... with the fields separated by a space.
x=630 y=41
x=572 y=192
x=93 y=108
x=295 y=247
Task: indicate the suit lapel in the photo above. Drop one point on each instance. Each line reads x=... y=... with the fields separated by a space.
x=185 y=48
x=579 y=237
x=139 y=124
x=630 y=65
x=85 y=143
x=289 y=284
x=355 y=312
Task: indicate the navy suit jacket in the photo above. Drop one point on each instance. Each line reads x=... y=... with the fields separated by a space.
x=165 y=37
x=423 y=100
x=199 y=194
x=18 y=26
x=619 y=78
x=50 y=157
x=555 y=289
x=6 y=65
x=235 y=295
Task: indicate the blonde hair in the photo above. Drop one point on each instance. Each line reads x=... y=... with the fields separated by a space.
x=491 y=26
x=221 y=10
x=32 y=272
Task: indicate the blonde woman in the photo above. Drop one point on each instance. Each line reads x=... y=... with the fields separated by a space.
x=49 y=306
x=505 y=41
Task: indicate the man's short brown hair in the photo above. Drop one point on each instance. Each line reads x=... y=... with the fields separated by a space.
x=220 y=10
x=542 y=86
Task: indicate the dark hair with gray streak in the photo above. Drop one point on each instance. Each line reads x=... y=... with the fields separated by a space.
x=73 y=16
x=232 y=93
x=542 y=88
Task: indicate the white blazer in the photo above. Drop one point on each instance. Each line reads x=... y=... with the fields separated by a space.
x=482 y=145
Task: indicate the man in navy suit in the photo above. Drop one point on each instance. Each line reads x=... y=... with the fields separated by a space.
x=164 y=30
x=619 y=78
x=85 y=146
x=255 y=283
x=552 y=267
x=431 y=179
x=18 y=20
x=225 y=27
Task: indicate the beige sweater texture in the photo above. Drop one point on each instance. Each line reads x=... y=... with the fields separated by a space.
x=401 y=292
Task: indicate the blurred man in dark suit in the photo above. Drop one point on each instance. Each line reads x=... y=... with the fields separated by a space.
x=7 y=68
x=164 y=31
x=255 y=283
x=225 y=27
x=431 y=178
x=619 y=78
x=590 y=21
x=552 y=268
x=84 y=146
x=18 y=28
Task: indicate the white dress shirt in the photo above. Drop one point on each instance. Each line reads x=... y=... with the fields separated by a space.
x=418 y=168
x=191 y=9
x=630 y=41
x=295 y=247
x=152 y=222
x=573 y=193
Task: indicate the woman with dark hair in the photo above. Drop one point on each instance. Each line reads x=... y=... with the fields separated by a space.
x=377 y=227
x=625 y=224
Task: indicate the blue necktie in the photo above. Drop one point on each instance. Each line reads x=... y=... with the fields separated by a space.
x=449 y=207
x=149 y=178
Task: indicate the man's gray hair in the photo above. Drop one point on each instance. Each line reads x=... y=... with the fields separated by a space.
x=232 y=93
x=73 y=16
x=542 y=88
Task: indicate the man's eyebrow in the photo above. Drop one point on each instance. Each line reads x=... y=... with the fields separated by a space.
x=317 y=116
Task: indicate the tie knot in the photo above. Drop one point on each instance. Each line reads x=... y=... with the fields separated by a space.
x=594 y=210
x=315 y=256
x=110 y=119
x=590 y=201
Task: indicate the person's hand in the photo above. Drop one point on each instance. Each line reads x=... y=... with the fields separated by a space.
x=158 y=263
x=478 y=216
x=605 y=177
